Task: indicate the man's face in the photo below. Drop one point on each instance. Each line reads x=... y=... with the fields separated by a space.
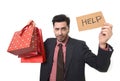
x=61 y=31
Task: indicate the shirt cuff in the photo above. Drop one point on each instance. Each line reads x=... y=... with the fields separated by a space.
x=106 y=48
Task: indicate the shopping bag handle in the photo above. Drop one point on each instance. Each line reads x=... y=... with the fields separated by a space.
x=31 y=23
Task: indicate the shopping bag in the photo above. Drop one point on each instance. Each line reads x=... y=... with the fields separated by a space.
x=36 y=45
x=40 y=58
x=23 y=41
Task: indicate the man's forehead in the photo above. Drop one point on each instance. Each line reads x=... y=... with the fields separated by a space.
x=60 y=23
x=60 y=27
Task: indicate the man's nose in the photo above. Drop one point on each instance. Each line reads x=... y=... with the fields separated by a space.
x=60 y=32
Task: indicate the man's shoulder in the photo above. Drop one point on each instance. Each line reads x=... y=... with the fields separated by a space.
x=76 y=40
x=50 y=40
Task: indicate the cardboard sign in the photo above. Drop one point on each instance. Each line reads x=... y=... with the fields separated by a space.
x=90 y=21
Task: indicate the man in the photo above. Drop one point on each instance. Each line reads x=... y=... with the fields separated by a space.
x=75 y=52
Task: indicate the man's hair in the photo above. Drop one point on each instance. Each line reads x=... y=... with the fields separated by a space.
x=61 y=18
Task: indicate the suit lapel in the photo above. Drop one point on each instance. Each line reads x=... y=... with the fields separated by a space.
x=52 y=48
x=51 y=55
x=69 y=52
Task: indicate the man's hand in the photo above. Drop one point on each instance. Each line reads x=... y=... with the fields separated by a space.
x=105 y=35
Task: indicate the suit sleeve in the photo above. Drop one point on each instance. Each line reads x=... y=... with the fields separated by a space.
x=101 y=61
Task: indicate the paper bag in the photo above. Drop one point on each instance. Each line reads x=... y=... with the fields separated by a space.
x=40 y=58
x=23 y=41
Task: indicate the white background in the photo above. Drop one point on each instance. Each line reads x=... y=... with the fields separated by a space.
x=15 y=14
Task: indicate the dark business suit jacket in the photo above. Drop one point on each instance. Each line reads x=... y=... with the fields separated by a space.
x=77 y=54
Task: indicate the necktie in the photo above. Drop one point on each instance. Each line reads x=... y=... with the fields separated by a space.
x=60 y=65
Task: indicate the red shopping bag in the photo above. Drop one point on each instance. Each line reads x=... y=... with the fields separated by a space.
x=23 y=41
x=40 y=58
x=36 y=45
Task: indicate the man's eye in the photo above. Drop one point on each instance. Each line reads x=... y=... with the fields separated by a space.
x=63 y=28
x=57 y=29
